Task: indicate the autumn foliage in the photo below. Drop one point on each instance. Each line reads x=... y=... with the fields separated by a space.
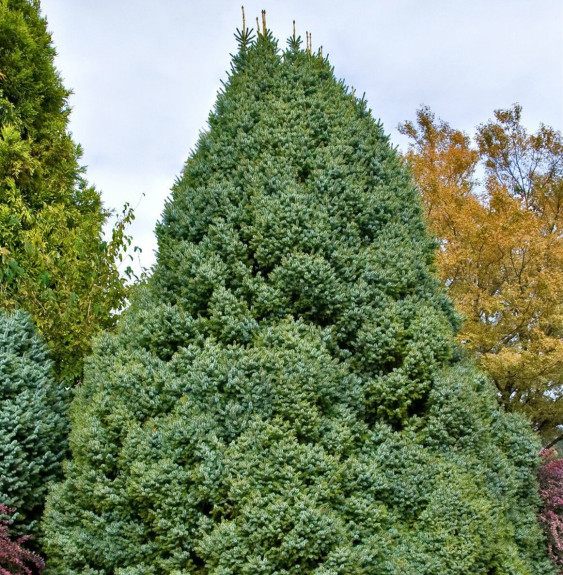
x=496 y=205
x=14 y=558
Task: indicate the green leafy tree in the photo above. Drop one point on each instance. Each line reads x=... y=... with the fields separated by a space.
x=33 y=422
x=54 y=262
x=283 y=397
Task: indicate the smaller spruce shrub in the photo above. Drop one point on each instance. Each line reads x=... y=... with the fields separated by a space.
x=33 y=423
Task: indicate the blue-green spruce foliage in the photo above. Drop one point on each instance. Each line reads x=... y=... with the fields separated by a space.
x=282 y=398
x=33 y=423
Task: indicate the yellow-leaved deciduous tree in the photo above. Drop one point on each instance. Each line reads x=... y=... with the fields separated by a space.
x=502 y=249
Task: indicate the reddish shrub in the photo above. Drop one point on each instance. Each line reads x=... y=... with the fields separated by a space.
x=14 y=559
x=551 y=491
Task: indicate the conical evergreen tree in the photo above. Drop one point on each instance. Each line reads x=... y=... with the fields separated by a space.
x=54 y=261
x=33 y=422
x=283 y=397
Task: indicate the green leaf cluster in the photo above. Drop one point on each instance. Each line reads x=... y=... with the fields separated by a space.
x=33 y=422
x=54 y=262
x=283 y=397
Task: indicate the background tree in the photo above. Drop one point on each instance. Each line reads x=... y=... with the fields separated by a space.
x=281 y=398
x=501 y=251
x=33 y=422
x=54 y=261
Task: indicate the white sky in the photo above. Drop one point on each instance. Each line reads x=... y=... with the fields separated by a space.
x=145 y=73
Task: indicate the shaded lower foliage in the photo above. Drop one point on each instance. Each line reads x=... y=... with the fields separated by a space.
x=259 y=459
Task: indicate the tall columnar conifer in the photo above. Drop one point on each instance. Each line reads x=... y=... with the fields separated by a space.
x=54 y=261
x=284 y=396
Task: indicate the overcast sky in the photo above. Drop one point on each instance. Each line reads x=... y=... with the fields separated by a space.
x=145 y=73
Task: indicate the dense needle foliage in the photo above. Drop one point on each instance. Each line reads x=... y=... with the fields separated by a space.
x=33 y=423
x=54 y=262
x=283 y=398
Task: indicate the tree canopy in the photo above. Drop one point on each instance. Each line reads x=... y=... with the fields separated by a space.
x=54 y=261
x=501 y=250
x=284 y=395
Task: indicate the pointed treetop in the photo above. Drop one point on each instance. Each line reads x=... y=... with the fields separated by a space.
x=294 y=41
x=245 y=35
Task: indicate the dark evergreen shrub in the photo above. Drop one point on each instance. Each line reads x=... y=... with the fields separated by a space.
x=282 y=398
x=33 y=423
